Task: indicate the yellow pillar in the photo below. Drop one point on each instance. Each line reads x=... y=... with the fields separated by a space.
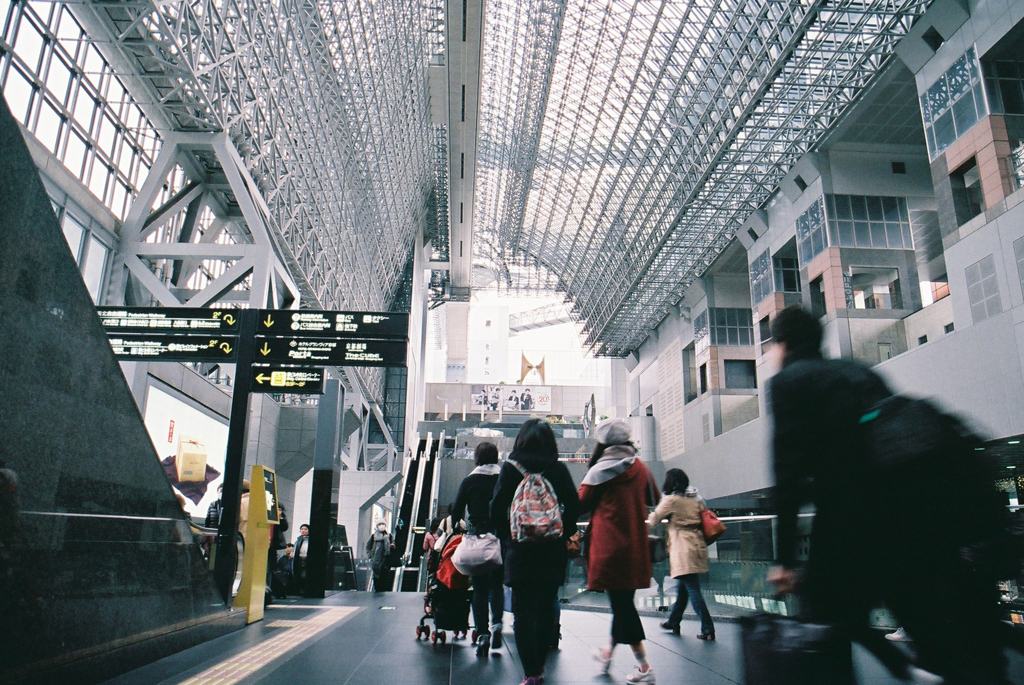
x=263 y=513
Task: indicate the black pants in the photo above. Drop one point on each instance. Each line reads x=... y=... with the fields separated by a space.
x=534 y=609
x=488 y=591
x=626 y=626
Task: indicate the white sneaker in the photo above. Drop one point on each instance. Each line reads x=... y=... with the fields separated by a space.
x=605 y=661
x=899 y=636
x=638 y=676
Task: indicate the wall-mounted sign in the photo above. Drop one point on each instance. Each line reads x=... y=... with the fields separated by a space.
x=536 y=398
x=307 y=381
x=308 y=351
x=168 y=320
x=308 y=324
x=173 y=348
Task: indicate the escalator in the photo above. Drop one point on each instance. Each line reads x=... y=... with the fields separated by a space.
x=405 y=505
x=415 y=509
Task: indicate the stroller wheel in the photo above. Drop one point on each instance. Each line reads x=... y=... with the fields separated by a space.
x=419 y=631
x=474 y=635
x=444 y=638
x=426 y=632
x=433 y=639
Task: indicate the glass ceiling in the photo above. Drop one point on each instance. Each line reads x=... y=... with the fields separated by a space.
x=623 y=143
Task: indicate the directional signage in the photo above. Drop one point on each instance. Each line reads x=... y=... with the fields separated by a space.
x=169 y=320
x=282 y=379
x=173 y=348
x=306 y=351
x=322 y=324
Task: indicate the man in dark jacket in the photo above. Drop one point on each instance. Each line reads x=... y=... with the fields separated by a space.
x=474 y=498
x=534 y=569
x=822 y=457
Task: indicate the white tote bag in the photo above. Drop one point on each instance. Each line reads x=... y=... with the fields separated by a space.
x=477 y=554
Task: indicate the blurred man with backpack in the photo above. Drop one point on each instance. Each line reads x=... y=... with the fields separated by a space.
x=900 y=500
x=535 y=508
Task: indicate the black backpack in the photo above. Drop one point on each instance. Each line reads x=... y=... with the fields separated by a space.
x=932 y=481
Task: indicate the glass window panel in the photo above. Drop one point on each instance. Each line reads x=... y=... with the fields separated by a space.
x=938 y=98
x=98 y=178
x=863 y=234
x=105 y=136
x=68 y=31
x=979 y=99
x=117 y=203
x=115 y=95
x=818 y=242
x=959 y=77
x=1003 y=69
x=1013 y=102
x=18 y=93
x=721 y=317
x=893 y=235
x=843 y=207
x=74 y=154
x=964 y=114
x=908 y=240
x=94 y=267
x=58 y=78
x=891 y=209
x=878 y=235
x=73 y=233
x=85 y=106
x=833 y=233
x=93 y=66
x=875 y=209
x=846 y=238
x=48 y=126
x=733 y=317
x=745 y=336
x=945 y=133
x=858 y=208
x=734 y=336
x=926 y=112
x=904 y=215
x=29 y=44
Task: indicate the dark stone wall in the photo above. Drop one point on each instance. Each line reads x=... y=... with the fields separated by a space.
x=98 y=567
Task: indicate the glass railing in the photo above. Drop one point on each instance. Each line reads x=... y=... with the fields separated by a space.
x=737 y=579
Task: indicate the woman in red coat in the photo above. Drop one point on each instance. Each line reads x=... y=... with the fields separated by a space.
x=617 y=489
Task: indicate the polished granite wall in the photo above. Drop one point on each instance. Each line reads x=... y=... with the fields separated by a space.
x=98 y=568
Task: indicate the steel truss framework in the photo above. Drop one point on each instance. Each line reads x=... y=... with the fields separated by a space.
x=327 y=104
x=622 y=144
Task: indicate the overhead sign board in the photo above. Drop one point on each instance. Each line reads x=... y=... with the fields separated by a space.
x=326 y=324
x=307 y=381
x=186 y=321
x=306 y=351
x=173 y=348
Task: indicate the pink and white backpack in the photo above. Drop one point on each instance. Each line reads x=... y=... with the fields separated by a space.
x=534 y=514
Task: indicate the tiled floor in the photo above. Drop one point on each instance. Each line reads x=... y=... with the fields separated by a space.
x=360 y=638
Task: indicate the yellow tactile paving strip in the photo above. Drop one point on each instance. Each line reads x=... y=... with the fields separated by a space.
x=237 y=667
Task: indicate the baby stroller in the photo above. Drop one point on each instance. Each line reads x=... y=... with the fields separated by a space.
x=447 y=600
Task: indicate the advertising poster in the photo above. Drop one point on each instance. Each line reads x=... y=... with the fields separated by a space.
x=191 y=445
x=513 y=398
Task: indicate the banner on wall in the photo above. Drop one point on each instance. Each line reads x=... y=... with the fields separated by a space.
x=191 y=445
x=523 y=398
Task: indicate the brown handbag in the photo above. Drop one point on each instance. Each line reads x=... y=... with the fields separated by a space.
x=573 y=545
x=711 y=525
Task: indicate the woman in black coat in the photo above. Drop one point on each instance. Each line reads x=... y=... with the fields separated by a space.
x=534 y=569
x=473 y=502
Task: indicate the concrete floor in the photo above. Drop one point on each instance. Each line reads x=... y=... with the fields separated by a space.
x=359 y=638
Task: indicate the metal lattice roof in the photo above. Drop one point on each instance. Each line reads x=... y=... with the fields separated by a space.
x=623 y=143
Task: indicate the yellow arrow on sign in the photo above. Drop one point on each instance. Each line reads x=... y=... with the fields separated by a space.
x=261 y=378
x=269 y=322
x=266 y=350
x=229 y=320
x=227 y=348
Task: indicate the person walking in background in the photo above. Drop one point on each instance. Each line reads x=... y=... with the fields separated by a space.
x=688 y=552
x=378 y=547
x=535 y=560
x=473 y=502
x=617 y=489
x=299 y=560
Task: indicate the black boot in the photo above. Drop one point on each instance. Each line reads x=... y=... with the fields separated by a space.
x=556 y=635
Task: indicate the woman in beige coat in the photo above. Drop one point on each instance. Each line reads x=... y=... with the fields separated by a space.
x=688 y=553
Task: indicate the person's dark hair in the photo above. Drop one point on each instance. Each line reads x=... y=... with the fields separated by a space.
x=536 y=437
x=485 y=453
x=676 y=482
x=304 y=525
x=435 y=523
x=800 y=331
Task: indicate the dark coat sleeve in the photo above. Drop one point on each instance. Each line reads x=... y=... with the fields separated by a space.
x=792 y=446
x=458 y=510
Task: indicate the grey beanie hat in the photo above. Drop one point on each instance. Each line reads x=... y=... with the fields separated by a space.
x=613 y=432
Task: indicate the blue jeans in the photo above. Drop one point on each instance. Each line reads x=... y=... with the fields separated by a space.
x=488 y=590
x=689 y=588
